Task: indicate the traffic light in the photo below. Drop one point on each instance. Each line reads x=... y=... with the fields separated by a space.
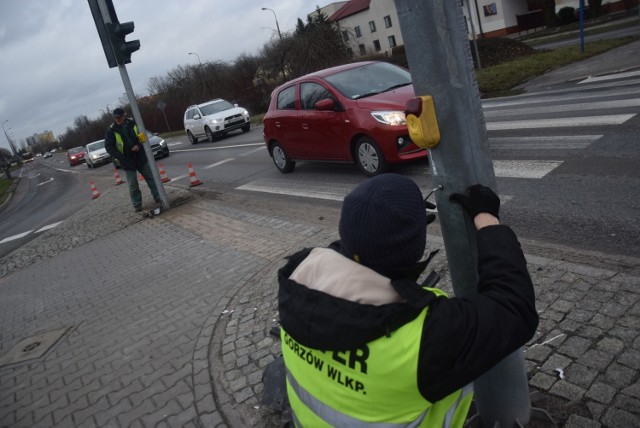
x=112 y=33
x=122 y=49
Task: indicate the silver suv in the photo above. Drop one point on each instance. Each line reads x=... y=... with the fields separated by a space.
x=213 y=119
x=95 y=154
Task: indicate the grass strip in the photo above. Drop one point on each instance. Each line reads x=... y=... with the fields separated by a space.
x=501 y=78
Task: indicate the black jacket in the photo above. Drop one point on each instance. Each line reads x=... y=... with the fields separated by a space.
x=462 y=337
x=130 y=161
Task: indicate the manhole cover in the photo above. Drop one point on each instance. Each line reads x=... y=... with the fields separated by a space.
x=32 y=347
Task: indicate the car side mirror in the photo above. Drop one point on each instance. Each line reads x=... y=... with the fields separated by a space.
x=197 y=116
x=326 y=104
x=155 y=134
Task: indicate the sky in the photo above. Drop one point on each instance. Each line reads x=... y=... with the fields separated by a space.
x=53 y=68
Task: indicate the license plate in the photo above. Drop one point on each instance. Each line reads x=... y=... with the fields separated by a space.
x=236 y=120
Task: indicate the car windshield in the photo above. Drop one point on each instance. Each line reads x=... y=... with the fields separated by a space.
x=370 y=79
x=76 y=150
x=95 y=146
x=215 y=107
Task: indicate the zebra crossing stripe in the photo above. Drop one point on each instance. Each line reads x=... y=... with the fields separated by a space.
x=524 y=169
x=599 y=105
x=487 y=105
x=557 y=142
x=613 y=119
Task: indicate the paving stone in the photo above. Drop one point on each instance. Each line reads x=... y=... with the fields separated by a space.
x=580 y=375
x=575 y=346
x=576 y=421
x=567 y=390
x=543 y=381
x=633 y=390
x=620 y=418
x=627 y=403
x=601 y=392
x=597 y=359
x=619 y=376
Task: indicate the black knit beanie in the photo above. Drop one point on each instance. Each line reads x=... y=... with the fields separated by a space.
x=383 y=224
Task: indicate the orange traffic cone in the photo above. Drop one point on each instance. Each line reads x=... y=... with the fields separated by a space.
x=163 y=174
x=140 y=177
x=119 y=179
x=94 y=191
x=193 y=180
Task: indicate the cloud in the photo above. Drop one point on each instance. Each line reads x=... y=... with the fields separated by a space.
x=53 y=67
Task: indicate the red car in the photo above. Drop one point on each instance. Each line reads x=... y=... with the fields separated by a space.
x=75 y=156
x=351 y=113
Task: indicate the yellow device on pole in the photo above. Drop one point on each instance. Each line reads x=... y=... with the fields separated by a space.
x=422 y=123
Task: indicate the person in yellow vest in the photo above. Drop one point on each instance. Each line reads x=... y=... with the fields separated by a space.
x=122 y=143
x=365 y=345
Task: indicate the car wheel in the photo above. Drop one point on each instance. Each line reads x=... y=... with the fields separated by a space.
x=193 y=139
x=209 y=134
x=369 y=157
x=281 y=159
x=246 y=128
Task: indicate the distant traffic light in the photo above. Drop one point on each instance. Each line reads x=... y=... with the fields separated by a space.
x=122 y=49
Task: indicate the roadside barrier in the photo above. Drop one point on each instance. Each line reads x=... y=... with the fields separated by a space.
x=119 y=179
x=163 y=174
x=94 y=191
x=193 y=180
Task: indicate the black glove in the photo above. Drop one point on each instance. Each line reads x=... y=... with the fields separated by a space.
x=478 y=199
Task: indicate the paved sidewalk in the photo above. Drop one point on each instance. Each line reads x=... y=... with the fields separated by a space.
x=165 y=321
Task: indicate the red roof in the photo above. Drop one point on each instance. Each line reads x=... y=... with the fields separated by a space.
x=351 y=8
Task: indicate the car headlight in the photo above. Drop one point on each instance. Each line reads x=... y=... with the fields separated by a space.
x=393 y=118
x=245 y=113
x=162 y=143
x=215 y=121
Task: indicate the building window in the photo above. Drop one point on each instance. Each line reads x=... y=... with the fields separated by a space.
x=376 y=45
x=362 y=49
x=345 y=36
x=358 y=32
x=387 y=21
x=392 y=41
x=372 y=26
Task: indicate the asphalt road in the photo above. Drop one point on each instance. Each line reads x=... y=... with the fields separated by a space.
x=565 y=160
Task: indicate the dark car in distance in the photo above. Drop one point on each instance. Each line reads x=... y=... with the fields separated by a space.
x=350 y=113
x=75 y=156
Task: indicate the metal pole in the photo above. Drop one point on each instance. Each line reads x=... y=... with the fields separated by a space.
x=581 y=25
x=147 y=148
x=281 y=45
x=473 y=33
x=13 y=149
x=440 y=62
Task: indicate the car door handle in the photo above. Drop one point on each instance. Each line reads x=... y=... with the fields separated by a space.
x=304 y=125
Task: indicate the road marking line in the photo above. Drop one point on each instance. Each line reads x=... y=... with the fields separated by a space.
x=613 y=119
x=47 y=227
x=559 y=142
x=14 y=237
x=45 y=182
x=218 y=163
x=524 y=169
x=610 y=77
x=220 y=147
x=302 y=190
x=180 y=177
x=253 y=151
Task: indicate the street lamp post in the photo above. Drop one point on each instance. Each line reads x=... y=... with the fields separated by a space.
x=200 y=72
x=281 y=44
x=13 y=149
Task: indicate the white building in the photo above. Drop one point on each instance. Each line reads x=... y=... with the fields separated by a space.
x=372 y=25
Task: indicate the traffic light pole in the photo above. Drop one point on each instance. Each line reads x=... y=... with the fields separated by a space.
x=440 y=62
x=147 y=147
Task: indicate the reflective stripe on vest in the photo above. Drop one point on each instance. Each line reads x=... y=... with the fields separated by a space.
x=375 y=386
x=119 y=142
